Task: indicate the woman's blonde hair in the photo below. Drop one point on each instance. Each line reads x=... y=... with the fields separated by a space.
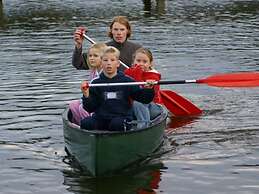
x=99 y=47
x=122 y=20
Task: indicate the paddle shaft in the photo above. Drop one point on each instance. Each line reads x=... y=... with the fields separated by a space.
x=93 y=42
x=162 y=82
x=246 y=79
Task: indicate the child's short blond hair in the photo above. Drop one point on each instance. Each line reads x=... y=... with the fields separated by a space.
x=100 y=47
x=113 y=50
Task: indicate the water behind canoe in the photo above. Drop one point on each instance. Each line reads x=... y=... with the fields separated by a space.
x=216 y=153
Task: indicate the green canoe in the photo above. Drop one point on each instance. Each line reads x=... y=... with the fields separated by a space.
x=104 y=152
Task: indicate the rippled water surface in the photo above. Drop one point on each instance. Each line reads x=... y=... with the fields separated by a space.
x=215 y=153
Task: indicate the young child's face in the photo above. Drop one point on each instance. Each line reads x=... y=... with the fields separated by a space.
x=110 y=64
x=143 y=60
x=94 y=58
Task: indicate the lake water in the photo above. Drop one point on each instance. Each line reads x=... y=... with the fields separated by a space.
x=215 y=153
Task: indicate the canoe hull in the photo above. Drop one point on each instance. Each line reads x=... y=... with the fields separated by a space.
x=101 y=153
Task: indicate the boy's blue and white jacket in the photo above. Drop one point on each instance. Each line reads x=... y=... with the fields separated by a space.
x=115 y=101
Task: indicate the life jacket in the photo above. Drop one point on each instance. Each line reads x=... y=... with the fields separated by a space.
x=138 y=74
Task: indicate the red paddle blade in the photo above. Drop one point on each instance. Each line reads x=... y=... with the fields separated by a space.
x=178 y=105
x=242 y=79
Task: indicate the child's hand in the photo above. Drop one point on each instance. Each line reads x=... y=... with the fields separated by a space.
x=78 y=36
x=150 y=83
x=85 y=88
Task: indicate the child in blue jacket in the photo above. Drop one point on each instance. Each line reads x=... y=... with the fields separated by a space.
x=112 y=105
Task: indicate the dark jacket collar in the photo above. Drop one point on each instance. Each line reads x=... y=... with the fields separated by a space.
x=119 y=45
x=118 y=75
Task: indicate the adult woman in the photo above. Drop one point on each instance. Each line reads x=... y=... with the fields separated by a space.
x=119 y=32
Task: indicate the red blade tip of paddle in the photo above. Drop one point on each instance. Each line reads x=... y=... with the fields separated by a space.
x=241 y=79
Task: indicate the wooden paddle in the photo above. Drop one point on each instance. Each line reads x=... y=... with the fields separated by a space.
x=176 y=104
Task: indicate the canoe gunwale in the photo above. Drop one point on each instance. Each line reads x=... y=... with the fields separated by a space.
x=163 y=115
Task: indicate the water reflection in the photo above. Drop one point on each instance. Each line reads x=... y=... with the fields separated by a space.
x=177 y=122
x=1 y=9
x=2 y=16
x=249 y=7
x=40 y=14
x=145 y=181
x=160 y=7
